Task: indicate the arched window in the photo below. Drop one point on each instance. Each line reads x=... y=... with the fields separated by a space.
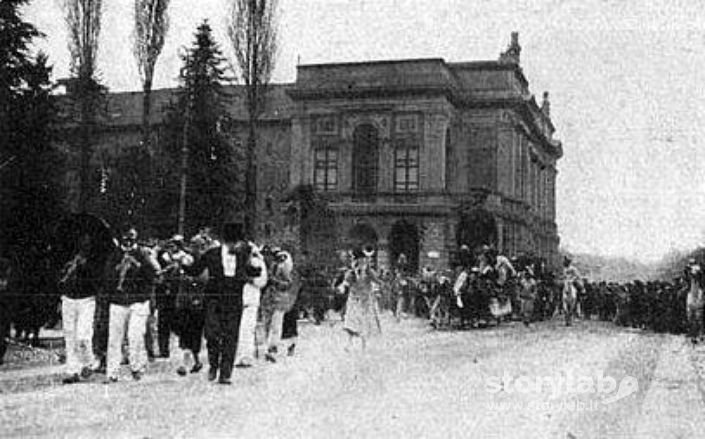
x=365 y=160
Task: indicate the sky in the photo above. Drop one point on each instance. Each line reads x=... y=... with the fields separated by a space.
x=625 y=77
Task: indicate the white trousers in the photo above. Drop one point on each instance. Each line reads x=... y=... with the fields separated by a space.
x=77 y=320
x=246 y=340
x=274 y=331
x=133 y=318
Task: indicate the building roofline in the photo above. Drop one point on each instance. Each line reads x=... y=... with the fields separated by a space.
x=373 y=62
x=173 y=89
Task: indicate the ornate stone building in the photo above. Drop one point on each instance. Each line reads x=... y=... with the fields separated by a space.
x=414 y=156
x=421 y=156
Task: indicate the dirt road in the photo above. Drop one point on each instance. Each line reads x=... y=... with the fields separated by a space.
x=589 y=381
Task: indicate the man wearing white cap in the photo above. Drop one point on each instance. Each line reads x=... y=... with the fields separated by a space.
x=131 y=276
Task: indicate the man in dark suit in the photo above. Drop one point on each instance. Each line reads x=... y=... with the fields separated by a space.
x=228 y=271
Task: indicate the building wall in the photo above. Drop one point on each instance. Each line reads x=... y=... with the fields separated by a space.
x=484 y=149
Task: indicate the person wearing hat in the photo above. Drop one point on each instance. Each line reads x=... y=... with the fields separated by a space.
x=79 y=287
x=171 y=259
x=694 y=300
x=361 y=316
x=130 y=282
x=572 y=285
x=279 y=298
x=528 y=293
x=228 y=271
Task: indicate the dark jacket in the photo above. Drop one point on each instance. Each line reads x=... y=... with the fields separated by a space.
x=129 y=277
x=218 y=287
x=81 y=280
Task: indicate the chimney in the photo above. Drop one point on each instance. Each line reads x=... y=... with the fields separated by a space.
x=546 y=105
x=513 y=53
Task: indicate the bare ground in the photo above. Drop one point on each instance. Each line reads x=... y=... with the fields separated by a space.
x=411 y=382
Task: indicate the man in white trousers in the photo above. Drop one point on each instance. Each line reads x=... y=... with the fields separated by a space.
x=79 y=285
x=132 y=273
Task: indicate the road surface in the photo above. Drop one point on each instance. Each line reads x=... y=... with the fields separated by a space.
x=593 y=380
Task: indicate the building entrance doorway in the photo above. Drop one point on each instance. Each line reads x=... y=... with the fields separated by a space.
x=404 y=240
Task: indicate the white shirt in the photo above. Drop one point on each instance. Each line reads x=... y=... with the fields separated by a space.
x=229 y=262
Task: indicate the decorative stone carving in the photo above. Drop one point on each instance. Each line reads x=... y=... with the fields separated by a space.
x=379 y=121
x=546 y=105
x=513 y=53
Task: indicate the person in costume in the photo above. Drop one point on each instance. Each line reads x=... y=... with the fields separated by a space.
x=361 y=316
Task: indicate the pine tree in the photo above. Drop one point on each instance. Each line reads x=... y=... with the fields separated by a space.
x=15 y=60
x=213 y=184
x=30 y=165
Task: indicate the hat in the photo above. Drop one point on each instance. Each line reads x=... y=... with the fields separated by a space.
x=233 y=232
x=130 y=234
x=357 y=253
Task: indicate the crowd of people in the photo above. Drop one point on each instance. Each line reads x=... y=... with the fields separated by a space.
x=487 y=287
x=204 y=288
x=132 y=304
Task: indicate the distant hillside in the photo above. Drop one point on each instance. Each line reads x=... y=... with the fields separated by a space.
x=597 y=268
x=673 y=264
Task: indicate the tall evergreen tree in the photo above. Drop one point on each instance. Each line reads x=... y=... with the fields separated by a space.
x=30 y=165
x=197 y=134
x=15 y=61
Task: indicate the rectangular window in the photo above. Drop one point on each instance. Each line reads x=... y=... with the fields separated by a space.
x=406 y=167
x=325 y=125
x=407 y=123
x=325 y=169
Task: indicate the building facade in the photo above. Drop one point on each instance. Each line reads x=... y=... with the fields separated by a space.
x=415 y=157
x=422 y=156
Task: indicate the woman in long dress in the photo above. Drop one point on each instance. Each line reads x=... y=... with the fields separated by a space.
x=361 y=315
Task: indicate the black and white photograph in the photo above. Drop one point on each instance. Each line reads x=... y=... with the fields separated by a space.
x=352 y=219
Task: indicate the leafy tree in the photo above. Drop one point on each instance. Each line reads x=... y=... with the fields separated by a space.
x=151 y=26
x=208 y=179
x=252 y=28
x=83 y=20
